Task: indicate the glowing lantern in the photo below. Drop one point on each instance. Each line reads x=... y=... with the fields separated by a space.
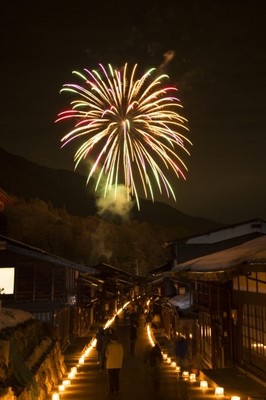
x=192 y=377
x=203 y=384
x=173 y=364
x=235 y=398
x=185 y=375
x=66 y=382
x=55 y=396
x=219 y=391
x=61 y=388
x=74 y=370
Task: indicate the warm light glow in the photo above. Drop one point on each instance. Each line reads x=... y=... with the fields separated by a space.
x=66 y=382
x=235 y=398
x=192 y=377
x=55 y=396
x=178 y=368
x=204 y=384
x=74 y=370
x=87 y=351
x=185 y=374
x=149 y=333
x=173 y=364
x=169 y=360
x=71 y=375
x=81 y=360
x=165 y=357
x=61 y=388
x=219 y=391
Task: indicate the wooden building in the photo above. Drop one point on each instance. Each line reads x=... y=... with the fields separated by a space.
x=45 y=285
x=229 y=294
x=223 y=275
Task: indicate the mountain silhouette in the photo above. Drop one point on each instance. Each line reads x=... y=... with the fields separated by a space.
x=66 y=189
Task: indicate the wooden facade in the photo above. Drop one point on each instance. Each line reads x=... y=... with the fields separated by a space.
x=70 y=296
x=46 y=286
x=248 y=316
x=227 y=281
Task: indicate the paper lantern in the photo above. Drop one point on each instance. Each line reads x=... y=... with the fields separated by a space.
x=219 y=391
x=185 y=375
x=173 y=364
x=203 y=384
x=192 y=377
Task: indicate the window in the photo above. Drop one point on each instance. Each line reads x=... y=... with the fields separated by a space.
x=254 y=329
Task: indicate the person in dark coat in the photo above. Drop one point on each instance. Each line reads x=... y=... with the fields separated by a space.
x=148 y=319
x=133 y=334
x=99 y=343
x=106 y=341
x=181 y=351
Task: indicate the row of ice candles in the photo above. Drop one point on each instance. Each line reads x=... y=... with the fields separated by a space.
x=219 y=391
x=71 y=375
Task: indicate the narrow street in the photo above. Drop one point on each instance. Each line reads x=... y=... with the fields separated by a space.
x=135 y=381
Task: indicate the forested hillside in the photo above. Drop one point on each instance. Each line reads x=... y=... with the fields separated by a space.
x=130 y=245
x=55 y=211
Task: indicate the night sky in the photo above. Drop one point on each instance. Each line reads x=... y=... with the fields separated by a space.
x=219 y=68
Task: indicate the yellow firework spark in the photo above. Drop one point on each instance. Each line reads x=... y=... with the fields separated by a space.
x=130 y=129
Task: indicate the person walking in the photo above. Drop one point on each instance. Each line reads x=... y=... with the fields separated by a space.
x=148 y=319
x=133 y=334
x=180 y=350
x=114 y=359
x=99 y=344
x=106 y=341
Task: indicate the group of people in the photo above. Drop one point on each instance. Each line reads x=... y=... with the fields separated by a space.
x=111 y=352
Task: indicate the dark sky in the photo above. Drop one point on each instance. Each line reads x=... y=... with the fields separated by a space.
x=219 y=68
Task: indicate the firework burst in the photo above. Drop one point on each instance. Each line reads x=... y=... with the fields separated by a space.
x=130 y=129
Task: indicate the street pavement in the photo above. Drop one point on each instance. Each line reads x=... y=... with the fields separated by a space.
x=91 y=383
